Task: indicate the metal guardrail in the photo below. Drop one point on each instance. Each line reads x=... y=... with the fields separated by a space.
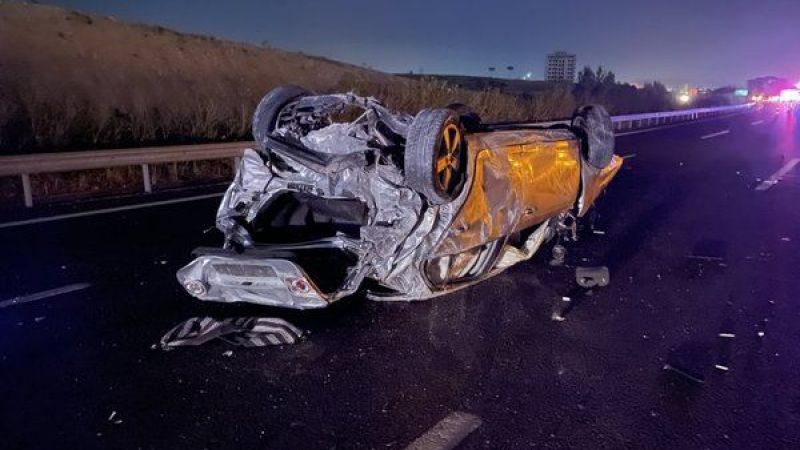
x=629 y=121
x=26 y=165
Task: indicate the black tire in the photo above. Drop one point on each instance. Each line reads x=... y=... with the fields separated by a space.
x=431 y=133
x=266 y=116
x=469 y=118
x=593 y=125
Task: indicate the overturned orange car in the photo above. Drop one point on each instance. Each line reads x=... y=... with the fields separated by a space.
x=406 y=207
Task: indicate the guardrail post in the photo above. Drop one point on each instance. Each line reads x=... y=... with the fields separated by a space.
x=27 y=192
x=148 y=184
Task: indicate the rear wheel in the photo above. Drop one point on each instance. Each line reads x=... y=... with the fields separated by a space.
x=265 y=119
x=593 y=124
x=436 y=155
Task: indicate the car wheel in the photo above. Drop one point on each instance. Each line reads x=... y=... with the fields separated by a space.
x=265 y=118
x=469 y=118
x=436 y=155
x=593 y=125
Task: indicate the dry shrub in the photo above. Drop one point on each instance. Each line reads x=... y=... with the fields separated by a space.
x=71 y=81
x=76 y=82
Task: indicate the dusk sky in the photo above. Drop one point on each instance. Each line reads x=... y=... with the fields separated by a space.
x=699 y=42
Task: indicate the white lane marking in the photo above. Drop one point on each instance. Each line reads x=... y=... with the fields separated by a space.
x=107 y=210
x=712 y=135
x=757 y=122
x=448 y=433
x=776 y=177
x=44 y=294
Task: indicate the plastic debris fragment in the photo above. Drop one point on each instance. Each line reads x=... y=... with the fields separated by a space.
x=588 y=277
x=244 y=331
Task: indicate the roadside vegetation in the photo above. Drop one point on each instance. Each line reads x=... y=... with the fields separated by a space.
x=71 y=81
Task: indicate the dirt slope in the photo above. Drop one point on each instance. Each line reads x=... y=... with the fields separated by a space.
x=73 y=81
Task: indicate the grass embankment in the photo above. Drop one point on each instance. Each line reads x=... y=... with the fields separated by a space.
x=71 y=81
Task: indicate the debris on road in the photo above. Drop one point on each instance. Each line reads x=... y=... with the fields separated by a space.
x=588 y=277
x=721 y=367
x=710 y=250
x=243 y=331
x=691 y=361
x=448 y=433
x=559 y=254
x=689 y=375
x=559 y=309
x=727 y=335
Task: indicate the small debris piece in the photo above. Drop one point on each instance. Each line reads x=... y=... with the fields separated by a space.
x=690 y=376
x=721 y=367
x=559 y=308
x=588 y=277
x=448 y=433
x=690 y=360
x=111 y=417
x=727 y=335
x=710 y=250
x=760 y=334
x=227 y=353
x=39 y=319
x=559 y=254
x=786 y=239
x=598 y=232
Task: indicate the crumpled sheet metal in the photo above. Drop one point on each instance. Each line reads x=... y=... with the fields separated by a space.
x=514 y=186
x=243 y=331
x=507 y=181
x=595 y=181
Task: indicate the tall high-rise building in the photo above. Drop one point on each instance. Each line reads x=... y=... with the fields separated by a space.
x=560 y=67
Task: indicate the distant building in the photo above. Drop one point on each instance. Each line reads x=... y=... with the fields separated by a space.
x=560 y=67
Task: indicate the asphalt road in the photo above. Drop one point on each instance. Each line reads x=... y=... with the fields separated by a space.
x=694 y=250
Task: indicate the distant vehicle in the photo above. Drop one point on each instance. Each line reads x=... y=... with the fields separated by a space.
x=409 y=207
